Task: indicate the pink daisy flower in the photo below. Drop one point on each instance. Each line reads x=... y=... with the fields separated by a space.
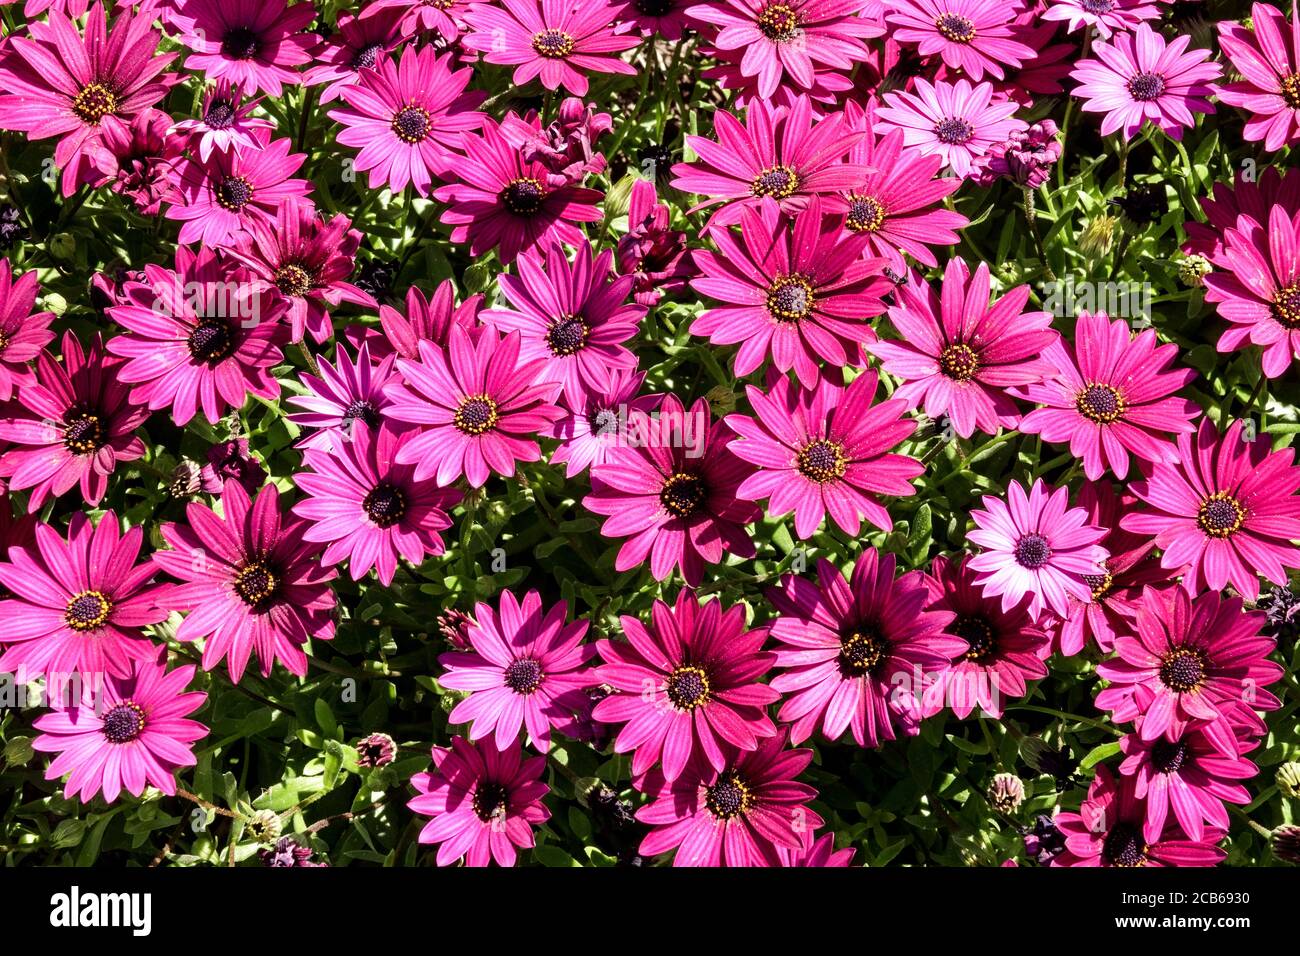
x=1228 y=510
x=367 y=508
x=484 y=802
x=960 y=350
x=226 y=123
x=217 y=197
x=526 y=669
x=974 y=36
x=1270 y=68
x=1114 y=394
x=1138 y=77
x=1252 y=196
x=956 y=121
x=825 y=450
x=827 y=90
x=856 y=653
x=135 y=734
x=1108 y=16
x=737 y=816
x=686 y=686
x=361 y=43
x=819 y=852
x=795 y=290
x=498 y=200
x=651 y=251
x=72 y=426
x=572 y=317
x=408 y=117
x=479 y=408
x=202 y=336
x=58 y=82
x=426 y=319
x=77 y=607
x=444 y=17
x=250 y=582
x=23 y=333
x=1005 y=648
x=1036 y=545
x=347 y=394
x=672 y=494
x=666 y=18
x=258 y=44
x=558 y=42
x=137 y=159
x=593 y=427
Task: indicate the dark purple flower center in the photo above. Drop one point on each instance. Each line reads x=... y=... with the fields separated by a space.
x=477 y=414
x=567 y=335
x=954 y=131
x=234 y=193
x=553 y=44
x=94 y=102
x=1145 y=87
x=1032 y=551
x=1183 y=670
x=367 y=56
x=682 y=494
x=790 y=298
x=1124 y=846
x=687 y=687
x=729 y=797
x=959 y=362
x=1097 y=7
x=976 y=631
x=294 y=280
x=255 y=583
x=241 y=43
x=385 y=504
x=655 y=8
x=1289 y=87
x=1285 y=307
x=779 y=23
x=603 y=421
x=411 y=124
x=212 y=340
x=1100 y=403
x=1100 y=584
x=83 y=432
x=362 y=410
x=866 y=213
x=822 y=460
x=1220 y=515
x=87 y=611
x=862 y=652
x=955 y=27
x=489 y=801
x=220 y=115
x=775 y=181
x=523 y=197
x=1168 y=756
x=524 y=675
x=124 y=722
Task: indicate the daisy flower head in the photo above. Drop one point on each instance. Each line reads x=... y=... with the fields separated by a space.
x=816 y=852
x=408 y=117
x=226 y=123
x=670 y=489
x=560 y=43
x=686 y=686
x=360 y=43
x=258 y=44
x=1107 y=16
x=973 y=36
x=1136 y=77
x=857 y=653
x=250 y=582
x=1036 y=545
x=479 y=408
x=348 y=396
x=592 y=428
x=960 y=350
x=23 y=332
x=71 y=426
x=826 y=90
x=1268 y=59
x=443 y=17
x=1248 y=195
x=667 y=19
x=136 y=159
x=797 y=290
x=825 y=450
x=957 y=121
x=1112 y=395
x=137 y=733
x=427 y=318
x=1228 y=510
x=369 y=510
x=484 y=801
x=651 y=251
x=525 y=670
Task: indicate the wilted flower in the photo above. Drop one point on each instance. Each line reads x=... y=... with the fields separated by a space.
x=231 y=459
x=1006 y=793
x=264 y=826
x=289 y=852
x=376 y=750
x=566 y=146
x=1025 y=157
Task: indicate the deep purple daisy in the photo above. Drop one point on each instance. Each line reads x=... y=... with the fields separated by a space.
x=596 y=425
x=258 y=44
x=23 y=333
x=359 y=43
x=346 y=397
x=1269 y=65
x=426 y=320
x=973 y=36
x=226 y=123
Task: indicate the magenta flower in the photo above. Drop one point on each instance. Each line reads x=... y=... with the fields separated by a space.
x=796 y=290
x=250 y=582
x=1108 y=16
x=1249 y=195
x=479 y=408
x=664 y=18
x=1114 y=394
x=1138 y=77
x=347 y=394
x=484 y=801
x=973 y=36
x=558 y=42
x=827 y=90
x=671 y=491
x=229 y=460
x=1108 y=831
x=23 y=333
x=361 y=43
x=1025 y=158
x=566 y=147
x=202 y=336
x=956 y=121
x=857 y=653
x=258 y=44
x=738 y=816
x=426 y=319
x=651 y=251
x=444 y=17
x=1270 y=68
x=72 y=426
x=572 y=317
x=408 y=117
x=77 y=607
x=686 y=686
x=960 y=351
x=1228 y=511
x=592 y=428
x=526 y=669
x=1036 y=545
x=819 y=852
x=786 y=40
x=135 y=734
x=367 y=508
x=825 y=450
x=1200 y=662
x=781 y=152
x=57 y=82
x=497 y=199
x=226 y=123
